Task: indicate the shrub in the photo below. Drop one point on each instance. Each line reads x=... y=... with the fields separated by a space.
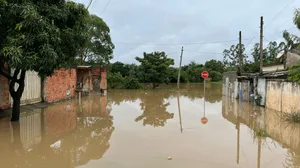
x=114 y=80
x=292 y=117
x=131 y=83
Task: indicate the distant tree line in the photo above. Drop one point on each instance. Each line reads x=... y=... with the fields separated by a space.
x=156 y=68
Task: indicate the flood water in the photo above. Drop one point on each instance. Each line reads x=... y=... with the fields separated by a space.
x=141 y=129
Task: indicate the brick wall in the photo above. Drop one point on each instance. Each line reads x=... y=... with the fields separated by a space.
x=60 y=86
x=103 y=83
x=4 y=93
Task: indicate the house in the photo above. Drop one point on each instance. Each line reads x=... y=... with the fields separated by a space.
x=61 y=85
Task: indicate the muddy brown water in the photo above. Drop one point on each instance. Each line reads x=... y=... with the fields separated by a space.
x=143 y=128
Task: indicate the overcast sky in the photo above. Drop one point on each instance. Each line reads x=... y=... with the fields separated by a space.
x=204 y=27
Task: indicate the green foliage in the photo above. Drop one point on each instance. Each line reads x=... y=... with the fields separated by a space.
x=292 y=117
x=194 y=71
x=41 y=35
x=231 y=57
x=260 y=133
x=114 y=79
x=98 y=48
x=131 y=82
x=155 y=67
x=215 y=76
x=294 y=73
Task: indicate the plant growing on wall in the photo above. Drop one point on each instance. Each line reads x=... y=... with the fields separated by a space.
x=38 y=35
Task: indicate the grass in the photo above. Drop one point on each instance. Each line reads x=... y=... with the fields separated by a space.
x=292 y=117
x=261 y=133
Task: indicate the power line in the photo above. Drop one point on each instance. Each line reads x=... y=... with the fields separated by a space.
x=202 y=52
x=280 y=12
x=276 y=16
x=105 y=7
x=195 y=43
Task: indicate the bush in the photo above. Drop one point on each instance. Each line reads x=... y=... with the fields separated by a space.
x=292 y=117
x=131 y=83
x=114 y=80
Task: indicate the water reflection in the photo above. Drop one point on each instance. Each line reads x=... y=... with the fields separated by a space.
x=267 y=129
x=65 y=135
x=191 y=91
x=154 y=108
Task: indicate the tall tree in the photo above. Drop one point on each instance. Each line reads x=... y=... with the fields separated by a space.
x=98 y=48
x=38 y=35
x=155 y=67
x=231 y=57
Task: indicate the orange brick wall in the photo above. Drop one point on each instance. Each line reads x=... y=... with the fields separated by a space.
x=56 y=86
x=103 y=84
x=4 y=93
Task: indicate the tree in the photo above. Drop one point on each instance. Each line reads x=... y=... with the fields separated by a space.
x=114 y=79
x=38 y=35
x=98 y=48
x=214 y=65
x=193 y=71
x=154 y=66
x=231 y=57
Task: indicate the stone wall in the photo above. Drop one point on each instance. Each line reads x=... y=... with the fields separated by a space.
x=60 y=86
x=283 y=96
x=4 y=93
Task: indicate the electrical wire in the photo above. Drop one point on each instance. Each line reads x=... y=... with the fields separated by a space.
x=105 y=7
x=280 y=12
x=275 y=17
x=196 y=43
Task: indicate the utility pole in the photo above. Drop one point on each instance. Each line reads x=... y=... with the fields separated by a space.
x=261 y=43
x=240 y=53
x=178 y=80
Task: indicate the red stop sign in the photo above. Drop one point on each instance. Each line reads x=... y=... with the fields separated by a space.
x=204 y=74
x=204 y=120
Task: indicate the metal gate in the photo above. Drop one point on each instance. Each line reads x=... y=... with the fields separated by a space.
x=33 y=90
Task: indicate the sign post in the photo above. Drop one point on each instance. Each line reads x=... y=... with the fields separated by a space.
x=204 y=75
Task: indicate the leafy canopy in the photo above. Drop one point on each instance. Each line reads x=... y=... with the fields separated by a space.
x=98 y=48
x=155 y=67
x=41 y=35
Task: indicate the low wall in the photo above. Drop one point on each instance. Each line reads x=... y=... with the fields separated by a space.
x=4 y=93
x=60 y=86
x=283 y=96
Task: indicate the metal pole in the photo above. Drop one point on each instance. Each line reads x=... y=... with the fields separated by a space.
x=204 y=95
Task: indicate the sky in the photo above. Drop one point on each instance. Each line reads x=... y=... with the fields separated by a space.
x=203 y=27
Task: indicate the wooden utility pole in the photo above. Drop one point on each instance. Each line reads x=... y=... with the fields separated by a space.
x=240 y=53
x=178 y=80
x=261 y=43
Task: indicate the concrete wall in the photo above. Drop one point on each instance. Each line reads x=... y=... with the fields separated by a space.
x=273 y=68
x=292 y=59
x=261 y=90
x=60 y=86
x=283 y=96
x=229 y=83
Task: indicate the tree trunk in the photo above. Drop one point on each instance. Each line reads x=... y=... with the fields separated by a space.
x=17 y=94
x=16 y=109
